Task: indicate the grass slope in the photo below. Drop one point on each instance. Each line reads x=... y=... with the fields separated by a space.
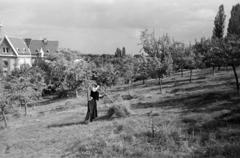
x=198 y=119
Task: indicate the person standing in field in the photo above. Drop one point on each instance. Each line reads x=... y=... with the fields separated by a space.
x=92 y=104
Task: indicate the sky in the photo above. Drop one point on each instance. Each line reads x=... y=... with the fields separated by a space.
x=100 y=26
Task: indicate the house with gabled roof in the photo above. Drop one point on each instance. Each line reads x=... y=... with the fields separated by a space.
x=13 y=53
x=16 y=51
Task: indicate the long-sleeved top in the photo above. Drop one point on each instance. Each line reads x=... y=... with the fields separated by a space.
x=94 y=95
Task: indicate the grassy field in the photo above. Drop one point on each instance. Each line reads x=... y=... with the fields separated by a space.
x=198 y=119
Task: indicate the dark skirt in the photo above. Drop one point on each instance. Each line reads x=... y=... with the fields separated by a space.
x=92 y=110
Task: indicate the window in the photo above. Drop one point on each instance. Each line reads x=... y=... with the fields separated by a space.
x=5 y=64
x=4 y=50
x=7 y=50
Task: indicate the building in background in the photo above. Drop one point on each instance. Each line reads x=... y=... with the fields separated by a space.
x=16 y=51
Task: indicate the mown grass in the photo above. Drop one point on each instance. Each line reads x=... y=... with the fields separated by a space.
x=198 y=119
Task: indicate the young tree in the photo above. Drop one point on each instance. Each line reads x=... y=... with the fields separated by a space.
x=178 y=52
x=4 y=102
x=142 y=69
x=158 y=70
x=189 y=60
x=203 y=57
x=128 y=71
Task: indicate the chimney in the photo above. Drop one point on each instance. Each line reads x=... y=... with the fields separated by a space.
x=28 y=41
x=1 y=31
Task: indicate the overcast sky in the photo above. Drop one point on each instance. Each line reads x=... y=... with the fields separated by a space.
x=100 y=26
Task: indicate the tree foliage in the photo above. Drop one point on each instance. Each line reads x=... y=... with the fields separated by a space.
x=234 y=22
x=219 y=23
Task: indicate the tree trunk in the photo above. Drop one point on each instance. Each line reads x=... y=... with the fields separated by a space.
x=219 y=68
x=181 y=72
x=190 y=80
x=236 y=77
x=153 y=129
x=4 y=117
x=76 y=91
x=143 y=81
x=129 y=87
x=88 y=94
x=160 y=81
x=213 y=68
x=226 y=68
x=25 y=109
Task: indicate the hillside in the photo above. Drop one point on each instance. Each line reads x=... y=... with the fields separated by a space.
x=197 y=119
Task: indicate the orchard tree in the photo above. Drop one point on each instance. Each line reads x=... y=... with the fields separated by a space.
x=150 y=45
x=26 y=88
x=156 y=47
x=189 y=60
x=142 y=69
x=56 y=74
x=160 y=47
x=4 y=102
x=204 y=57
x=178 y=52
x=129 y=71
x=231 y=45
x=105 y=76
x=229 y=50
x=158 y=70
x=77 y=75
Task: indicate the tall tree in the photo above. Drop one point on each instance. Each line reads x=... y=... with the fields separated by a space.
x=123 y=51
x=219 y=23
x=234 y=21
x=118 y=52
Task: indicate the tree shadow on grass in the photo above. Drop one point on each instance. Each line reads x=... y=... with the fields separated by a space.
x=148 y=84
x=198 y=87
x=66 y=124
x=219 y=137
x=72 y=123
x=200 y=102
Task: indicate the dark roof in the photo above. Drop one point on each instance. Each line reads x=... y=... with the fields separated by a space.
x=19 y=45
x=47 y=46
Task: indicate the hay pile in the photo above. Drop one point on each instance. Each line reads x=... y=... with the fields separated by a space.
x=119 y=109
